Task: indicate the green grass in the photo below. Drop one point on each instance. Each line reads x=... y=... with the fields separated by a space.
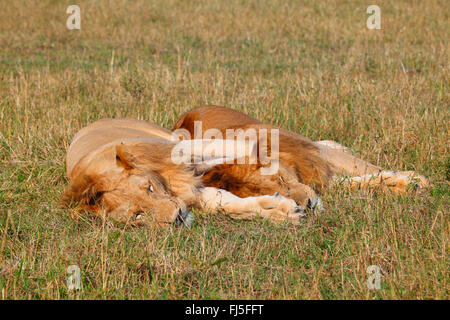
x=312 y=67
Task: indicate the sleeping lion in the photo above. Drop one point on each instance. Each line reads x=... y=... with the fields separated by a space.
x=136 y=172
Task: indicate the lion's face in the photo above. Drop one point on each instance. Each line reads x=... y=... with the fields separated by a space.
x=135 y=183
x=137 y=197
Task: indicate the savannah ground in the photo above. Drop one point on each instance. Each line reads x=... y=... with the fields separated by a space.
x=310 y=66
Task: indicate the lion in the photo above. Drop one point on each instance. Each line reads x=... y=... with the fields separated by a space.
x=135 y=172
x=125 y=169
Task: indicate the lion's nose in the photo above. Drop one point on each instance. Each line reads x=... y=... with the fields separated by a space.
x=184 y=218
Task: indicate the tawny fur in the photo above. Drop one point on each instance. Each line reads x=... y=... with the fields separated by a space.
x=302 y=161
x=124 y=169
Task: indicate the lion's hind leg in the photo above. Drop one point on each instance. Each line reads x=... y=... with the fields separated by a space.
x=359 y=174
x=396 y=182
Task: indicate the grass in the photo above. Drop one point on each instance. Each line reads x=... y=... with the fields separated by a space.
x=310 y=66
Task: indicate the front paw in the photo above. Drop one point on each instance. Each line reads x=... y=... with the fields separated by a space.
x=307 y=198
x=279 y=208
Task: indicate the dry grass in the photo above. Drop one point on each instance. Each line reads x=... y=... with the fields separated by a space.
x=310 y=66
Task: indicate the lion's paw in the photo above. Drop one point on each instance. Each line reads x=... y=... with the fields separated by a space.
x=279 y=208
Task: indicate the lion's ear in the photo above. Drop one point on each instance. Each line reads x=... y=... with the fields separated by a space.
x=81 y=189
x=88 y=199
x=124 y=158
